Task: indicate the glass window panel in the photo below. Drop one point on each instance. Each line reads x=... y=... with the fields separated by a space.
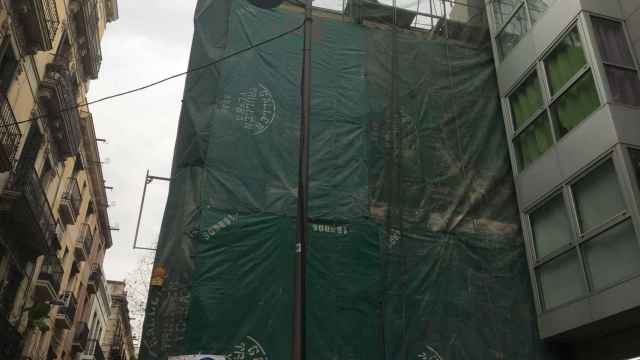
x=537 y=8
x=561 y=280
x=624 y=85
x=502 y=10
x=598 y=197
x=533 y=141
x=513 y=32
x=526 y=100
x=612 y=42
x=551 y=227
x=565 y=60
x=578 y=102
x=612 y=255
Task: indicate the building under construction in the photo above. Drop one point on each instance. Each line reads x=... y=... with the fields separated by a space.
x=473 y=183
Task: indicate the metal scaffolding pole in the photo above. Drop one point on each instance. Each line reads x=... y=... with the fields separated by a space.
x=299 y=327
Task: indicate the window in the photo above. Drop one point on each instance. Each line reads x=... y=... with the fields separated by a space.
x=511 y=34
x=513 y=19
x=575 y=104
x=537 y=8
x=551 y=227
x=620 y=69
x=8 y=64
x=602 y=232
x=540 y=117
x=598 y=197
x=566 y=59
x=561 y=280
x=533 y=141
x=532 y=137
x=526 y=100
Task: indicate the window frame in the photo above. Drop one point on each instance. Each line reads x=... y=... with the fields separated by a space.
x=549 y=99
x=601 y=64
x=620 y=159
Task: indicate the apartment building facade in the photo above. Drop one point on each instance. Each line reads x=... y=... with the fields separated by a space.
x=570 y=89
x=118 y=338
x=54 y=225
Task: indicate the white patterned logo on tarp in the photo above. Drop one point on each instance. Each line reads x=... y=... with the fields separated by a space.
x=248 y=349
x=429 y=354
x=197 y=357
x=228 y=220
x=254 y=108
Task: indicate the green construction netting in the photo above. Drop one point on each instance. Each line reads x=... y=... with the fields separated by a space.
x=415 y=248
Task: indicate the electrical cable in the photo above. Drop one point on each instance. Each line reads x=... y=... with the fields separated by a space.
x=189 y=71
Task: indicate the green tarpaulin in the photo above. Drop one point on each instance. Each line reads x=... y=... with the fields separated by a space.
x=415 y=249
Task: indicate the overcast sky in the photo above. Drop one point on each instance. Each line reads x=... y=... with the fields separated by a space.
x=151 y=40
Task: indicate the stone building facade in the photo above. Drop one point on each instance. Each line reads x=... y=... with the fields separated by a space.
x=54 y=224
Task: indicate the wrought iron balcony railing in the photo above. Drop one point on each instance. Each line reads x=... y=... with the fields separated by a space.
x=59 y=103
x=84 y=243
x=95 y=279
x=81 y=337
x=88 y=38
x=35 y=24
x=71 y=199
x=66 y=312
x=10 y=339
x=49 y=279
x=9 y=135
x=28 y=214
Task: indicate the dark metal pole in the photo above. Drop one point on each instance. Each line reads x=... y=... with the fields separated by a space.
x=299 y=327
x=144 y=193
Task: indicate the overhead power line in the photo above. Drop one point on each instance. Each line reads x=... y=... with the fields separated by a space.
x=158 y=82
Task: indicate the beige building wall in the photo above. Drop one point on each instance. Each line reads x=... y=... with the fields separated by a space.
x=23 y=281
x=118 y=341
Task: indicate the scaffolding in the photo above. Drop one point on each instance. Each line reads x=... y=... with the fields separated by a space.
x=415 y=249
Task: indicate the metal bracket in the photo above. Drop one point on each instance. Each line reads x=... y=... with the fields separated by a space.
x=148 y=179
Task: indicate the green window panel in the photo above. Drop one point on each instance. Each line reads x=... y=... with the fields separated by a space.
x=578 y=102
x=551 y=227
x=561 y=280
x=598 y=197
x=526 y=100
x=502 y=9
x=537 y=8
x=513 y=32
x=566 y=59
x=612 y=256
x=533 y=141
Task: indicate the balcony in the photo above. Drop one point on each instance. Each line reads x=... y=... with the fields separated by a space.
x=35 y=25
x=93 y=352
x=49 y=279
x=66 y=312
x=10 y=340
x=70 y=204
x=59 y=104
x=81 y=338
x=94 y=279
x=9 y=135
x=87 y=37
x=84 y=243
x=26 y=214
